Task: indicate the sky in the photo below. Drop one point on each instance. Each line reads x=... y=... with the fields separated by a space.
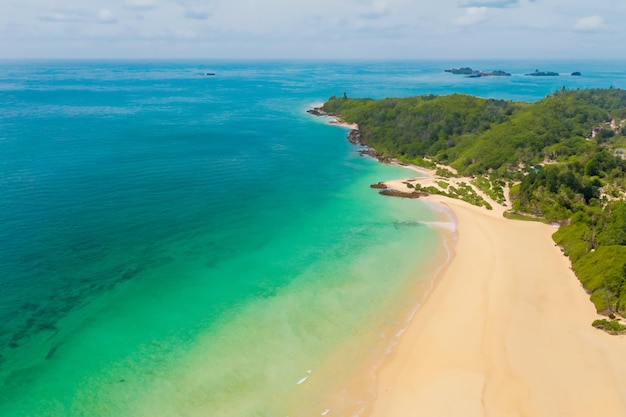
x=313 y=29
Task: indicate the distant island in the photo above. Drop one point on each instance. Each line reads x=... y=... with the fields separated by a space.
x=538 y=73
x=472 y=73
x=476 y=74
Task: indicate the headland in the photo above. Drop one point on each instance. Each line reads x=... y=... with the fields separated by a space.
x=506 y=329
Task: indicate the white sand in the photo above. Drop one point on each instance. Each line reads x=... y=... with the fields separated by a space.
x=506 y=332
x=341 y=123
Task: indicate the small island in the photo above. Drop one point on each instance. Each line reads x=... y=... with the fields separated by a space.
x=576 y=74
x=538 y=73
x=470 y=73
x=460 y=71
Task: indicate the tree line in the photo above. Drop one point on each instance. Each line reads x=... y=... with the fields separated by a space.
x=558 y=155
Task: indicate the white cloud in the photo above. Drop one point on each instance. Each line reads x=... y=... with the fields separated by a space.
x=472 y=16
x=62 y=17
x=589 y=23
x=140 y=4
x=489 y=3
x=197 y=14
x=376 y=10
x=311 y=29
x=106 y=16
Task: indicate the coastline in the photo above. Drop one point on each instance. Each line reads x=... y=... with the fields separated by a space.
x=505 y=330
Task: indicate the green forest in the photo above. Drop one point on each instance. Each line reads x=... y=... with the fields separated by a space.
x=562 y=158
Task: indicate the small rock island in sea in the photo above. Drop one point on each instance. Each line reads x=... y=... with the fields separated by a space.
x=538 y=73
x=576 y=73
x=470 y=73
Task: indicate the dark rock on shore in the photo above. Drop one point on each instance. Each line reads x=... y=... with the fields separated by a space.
x=379 y=185
x=354 y=137
x=395 y=193
x=372 y=153
x=318 y=111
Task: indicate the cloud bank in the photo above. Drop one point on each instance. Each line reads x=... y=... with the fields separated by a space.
x=590 y=23
x=369 y=29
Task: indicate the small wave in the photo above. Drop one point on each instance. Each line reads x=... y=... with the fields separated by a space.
x=450 y=226
x=308 y=371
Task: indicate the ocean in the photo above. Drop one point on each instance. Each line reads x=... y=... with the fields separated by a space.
x=181 y=244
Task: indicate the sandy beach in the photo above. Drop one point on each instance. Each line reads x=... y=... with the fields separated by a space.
x=505 y=332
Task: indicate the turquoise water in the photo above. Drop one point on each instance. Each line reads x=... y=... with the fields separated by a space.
x=181 y=245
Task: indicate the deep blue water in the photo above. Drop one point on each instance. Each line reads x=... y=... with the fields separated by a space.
x=160 y=227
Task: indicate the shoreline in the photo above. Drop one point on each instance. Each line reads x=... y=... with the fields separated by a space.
x=501 y=335
x=504 y=330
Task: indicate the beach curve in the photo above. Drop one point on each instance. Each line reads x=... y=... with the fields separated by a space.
x=505 y=332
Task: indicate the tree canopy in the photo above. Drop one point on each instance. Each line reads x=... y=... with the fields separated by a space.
x=559 y=155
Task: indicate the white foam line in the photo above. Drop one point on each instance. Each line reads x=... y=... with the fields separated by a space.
x=451 y=226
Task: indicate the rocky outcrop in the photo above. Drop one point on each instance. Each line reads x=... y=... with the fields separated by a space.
x=318 y=111
x=403 y=194
x=355 y=137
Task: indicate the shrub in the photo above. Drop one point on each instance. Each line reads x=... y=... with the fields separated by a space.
x=610 y=326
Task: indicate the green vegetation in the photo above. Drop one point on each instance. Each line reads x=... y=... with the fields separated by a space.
x=612 y=326
x=466 y=193
x=596 y=244
x=444 y=173
x=561 y=156
x=463 y=192
x=511 y=215
x=493 y=188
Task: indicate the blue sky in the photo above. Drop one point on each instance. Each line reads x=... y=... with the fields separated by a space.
x=317 y=29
